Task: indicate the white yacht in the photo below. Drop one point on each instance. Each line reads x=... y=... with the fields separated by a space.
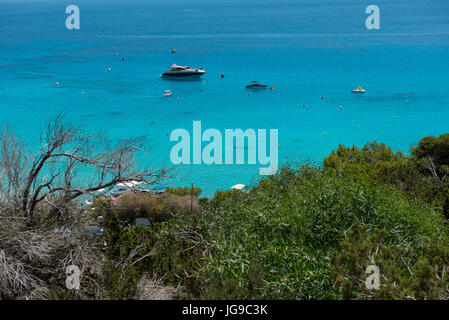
x=181 y=72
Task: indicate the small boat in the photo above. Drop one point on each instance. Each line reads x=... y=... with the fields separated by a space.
x=167 y=93
x=182 y=72
x=358 y=90
x=123 y=187
x=119 y=190
x=255 y=84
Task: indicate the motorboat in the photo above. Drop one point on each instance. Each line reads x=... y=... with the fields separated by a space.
x=358 y=90
x=255 y=84
x=123 y=187
x=119 y=190
x=182 y=72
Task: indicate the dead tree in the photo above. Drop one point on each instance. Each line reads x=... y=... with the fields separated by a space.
x=32 y=251
x=439 y=177
x=54 y=175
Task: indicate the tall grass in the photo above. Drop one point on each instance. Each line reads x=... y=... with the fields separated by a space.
x=279 y=240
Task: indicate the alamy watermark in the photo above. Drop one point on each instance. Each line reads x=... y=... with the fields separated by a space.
x=73 y=20
x=373 y=20
x=73 y=277
x=372 y=282
x=189 y=149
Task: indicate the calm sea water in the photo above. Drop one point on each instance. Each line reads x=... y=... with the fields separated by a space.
x=303 y=49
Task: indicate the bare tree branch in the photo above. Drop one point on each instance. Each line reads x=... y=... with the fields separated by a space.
x=66 y=155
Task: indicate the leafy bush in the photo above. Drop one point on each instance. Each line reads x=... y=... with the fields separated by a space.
x=406 y=272
x=279 y=240
x=155 y=207
x=186 y=191
x=305 y=233
x=377 y=164
x=435 y=148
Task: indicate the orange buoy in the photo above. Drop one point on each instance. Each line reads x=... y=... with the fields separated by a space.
x=271 y=88
x=222 y=75
x=340 y=107
x=303 y=105
x=322 y=97
x=57 y=83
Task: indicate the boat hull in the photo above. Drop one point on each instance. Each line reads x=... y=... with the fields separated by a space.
x=253 y=86
x=181 y=75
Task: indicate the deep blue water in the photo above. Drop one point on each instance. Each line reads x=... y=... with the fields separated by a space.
x=303 y=49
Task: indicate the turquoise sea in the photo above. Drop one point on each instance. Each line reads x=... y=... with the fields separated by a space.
x=305 y=50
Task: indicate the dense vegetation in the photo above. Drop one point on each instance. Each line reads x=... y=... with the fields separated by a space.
x=310 y=233
x=307 y=232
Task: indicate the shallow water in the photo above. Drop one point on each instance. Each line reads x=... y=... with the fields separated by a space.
x=303 y=49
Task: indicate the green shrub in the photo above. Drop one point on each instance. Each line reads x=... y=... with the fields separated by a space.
x=406 y=271
x=377 y=164
x=278 y=240
x=155 y=207
x=184 y=191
